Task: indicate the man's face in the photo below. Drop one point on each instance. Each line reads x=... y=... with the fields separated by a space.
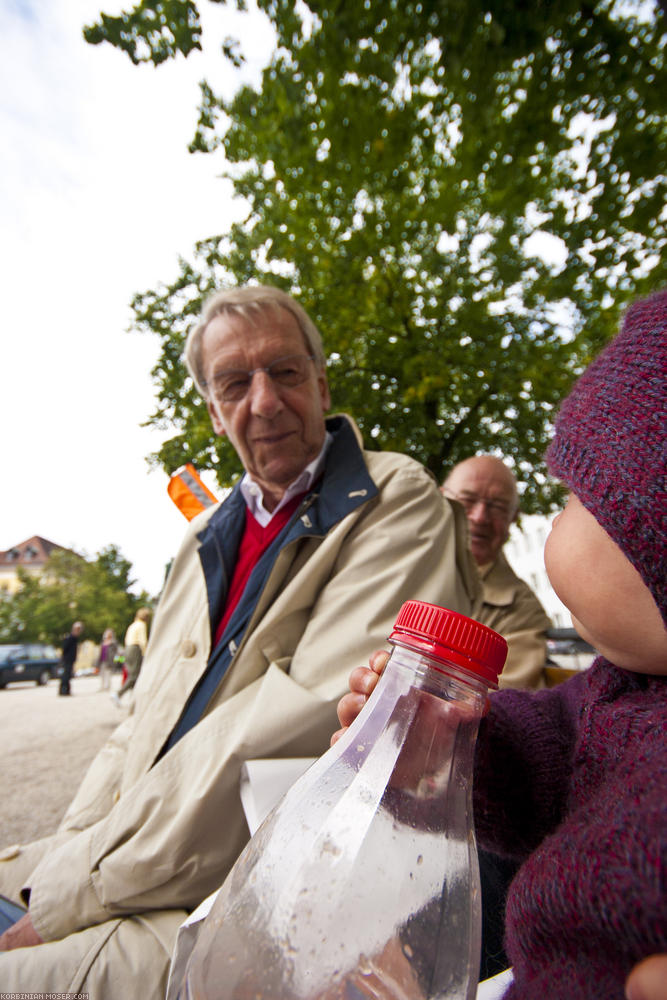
x=276 y=430
x=486 y=489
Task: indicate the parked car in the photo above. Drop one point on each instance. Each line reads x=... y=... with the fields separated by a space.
x=29 y=661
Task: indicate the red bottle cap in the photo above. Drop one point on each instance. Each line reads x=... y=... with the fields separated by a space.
x=451 y=638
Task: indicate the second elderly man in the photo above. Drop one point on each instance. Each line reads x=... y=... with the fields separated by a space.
x=275 y=596
x=487 y=490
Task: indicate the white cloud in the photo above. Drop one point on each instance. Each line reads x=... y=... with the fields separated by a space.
x=99 y=196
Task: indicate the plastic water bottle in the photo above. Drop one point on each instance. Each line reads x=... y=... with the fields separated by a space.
x=363 y=881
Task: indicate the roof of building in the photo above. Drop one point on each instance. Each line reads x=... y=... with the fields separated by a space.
x=32 y=552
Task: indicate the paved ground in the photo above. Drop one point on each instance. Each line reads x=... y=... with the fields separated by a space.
x=46 y=744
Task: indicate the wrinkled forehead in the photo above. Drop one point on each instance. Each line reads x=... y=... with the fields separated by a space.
x=234 y=331
x=485 y=480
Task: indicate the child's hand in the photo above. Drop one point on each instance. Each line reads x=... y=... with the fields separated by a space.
x=648 y=980
x=362 y=683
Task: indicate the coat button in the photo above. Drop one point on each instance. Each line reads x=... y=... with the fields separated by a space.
x=188 y=648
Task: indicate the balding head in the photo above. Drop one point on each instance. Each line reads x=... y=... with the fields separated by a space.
x=487 y=490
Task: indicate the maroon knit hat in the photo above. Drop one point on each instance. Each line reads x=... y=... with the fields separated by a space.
x=610 y=443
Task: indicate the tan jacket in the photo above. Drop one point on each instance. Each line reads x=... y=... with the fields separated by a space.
x=143 y=835
x=509 y=606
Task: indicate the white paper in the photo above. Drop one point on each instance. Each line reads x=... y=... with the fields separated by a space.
x=496 y=987
x=264 y=782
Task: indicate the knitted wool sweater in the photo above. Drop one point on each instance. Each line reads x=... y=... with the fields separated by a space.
x=574 y=779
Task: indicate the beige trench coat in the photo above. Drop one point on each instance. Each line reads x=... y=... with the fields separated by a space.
x=509 y=606
x=147 y=840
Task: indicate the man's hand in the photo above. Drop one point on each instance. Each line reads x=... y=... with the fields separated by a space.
x=362 y=684
x=20 y=935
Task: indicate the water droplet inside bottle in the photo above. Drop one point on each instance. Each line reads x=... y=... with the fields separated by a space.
x=365 y=967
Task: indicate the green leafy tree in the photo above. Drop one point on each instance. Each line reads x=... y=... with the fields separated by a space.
x=402 y=162
x=70 y=588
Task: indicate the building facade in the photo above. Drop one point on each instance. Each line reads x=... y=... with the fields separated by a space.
x=30 y=555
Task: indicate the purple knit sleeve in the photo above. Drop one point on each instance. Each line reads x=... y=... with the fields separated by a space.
x=523 y=764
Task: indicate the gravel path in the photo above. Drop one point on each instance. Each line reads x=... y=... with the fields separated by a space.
x=46 y=745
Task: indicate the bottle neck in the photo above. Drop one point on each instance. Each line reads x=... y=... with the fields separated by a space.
x=440 y=677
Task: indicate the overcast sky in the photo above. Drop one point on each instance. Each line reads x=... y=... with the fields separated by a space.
x=99 y=196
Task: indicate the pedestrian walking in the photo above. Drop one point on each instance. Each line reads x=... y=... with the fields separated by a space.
x=136 y=640
x=68 y=656
x=106 y=658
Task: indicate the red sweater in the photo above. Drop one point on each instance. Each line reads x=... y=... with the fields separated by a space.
x=253 y=544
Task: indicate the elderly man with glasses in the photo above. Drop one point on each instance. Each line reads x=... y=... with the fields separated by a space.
x=276 y=595
x=486 y=489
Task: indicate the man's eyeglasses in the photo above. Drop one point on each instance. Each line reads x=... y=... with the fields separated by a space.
x=232 y=385
x=494 y=508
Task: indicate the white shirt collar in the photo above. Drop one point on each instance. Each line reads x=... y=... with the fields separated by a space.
x=252 y=493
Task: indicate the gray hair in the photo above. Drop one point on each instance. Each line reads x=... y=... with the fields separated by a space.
x=249 y=302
